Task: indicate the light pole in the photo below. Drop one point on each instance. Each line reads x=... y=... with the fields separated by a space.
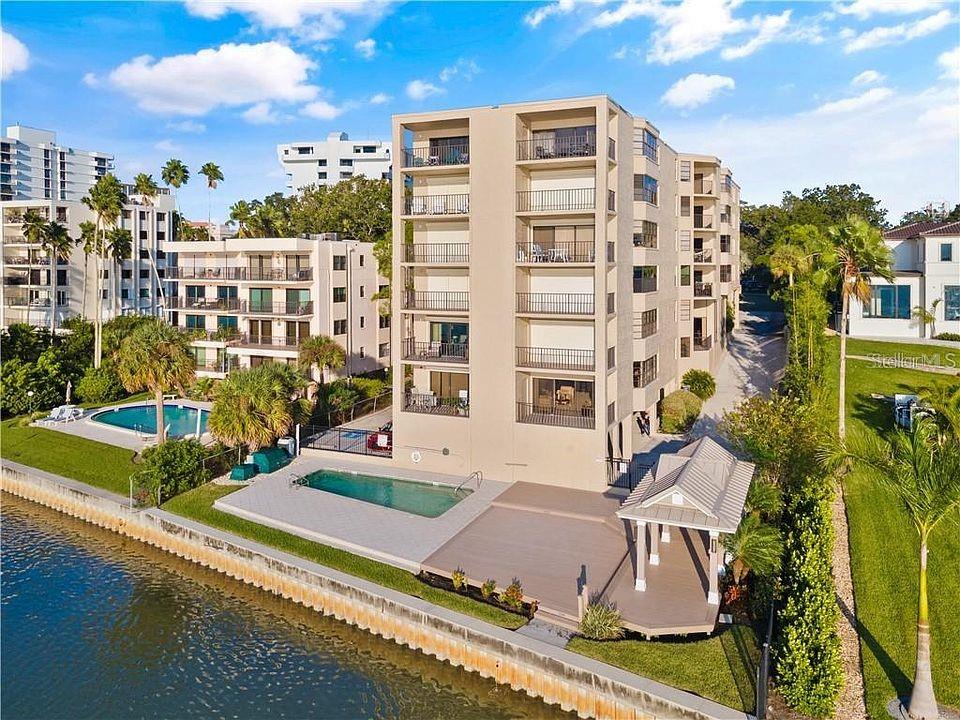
x=30 y=400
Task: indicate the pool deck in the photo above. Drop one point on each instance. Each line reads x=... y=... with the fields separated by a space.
x=392 y=536
x=101 y=432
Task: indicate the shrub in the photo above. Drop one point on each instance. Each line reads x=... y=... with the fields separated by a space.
x=459 y=579
x=955 y=337
x=512 y=597
x=202 y=389
x=678 y=411
x=174 y=467
x=730 y=317
x=488 y=588
x=369 y=387
x=100 y=385
x=601 y=621
x=31 y=386
x=700 y=383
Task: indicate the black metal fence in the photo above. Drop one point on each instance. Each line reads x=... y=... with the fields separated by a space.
x=452 y=300
x=455 y=154
x=624 y=473
x=435 y=350
x=549 y=147
x=346 y=440
x=436 y=253
x=555 y=358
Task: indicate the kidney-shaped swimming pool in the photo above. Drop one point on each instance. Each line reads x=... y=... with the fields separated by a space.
x=179 y=419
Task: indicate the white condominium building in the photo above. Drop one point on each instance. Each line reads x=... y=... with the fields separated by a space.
x=926 y=268
x=254 y=300
x=327 y=162
x=34 y=167
x=557 y=267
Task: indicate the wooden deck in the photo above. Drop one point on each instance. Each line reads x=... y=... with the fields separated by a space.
x=548 y=537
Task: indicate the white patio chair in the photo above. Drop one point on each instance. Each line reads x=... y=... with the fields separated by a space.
x=537 y=254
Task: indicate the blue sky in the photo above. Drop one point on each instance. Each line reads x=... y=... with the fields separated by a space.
x=789 y=95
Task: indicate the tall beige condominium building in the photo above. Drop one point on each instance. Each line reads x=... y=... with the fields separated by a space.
x=548 y=286
x=34 y=295
x=254 y=300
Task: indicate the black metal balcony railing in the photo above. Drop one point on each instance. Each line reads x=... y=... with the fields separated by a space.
x=26 y=300
x=435 y=156
x=455 y=204
x=176 y=302
x=454 y=301
x=275 y=341
x=561 y=251
x=551 y=148
x=280 y=274
x=702 y=343
x=280 y=308
x=702 y=289
x=644 y=285
x=430 y=404
x=435 y=351
x=555 y=358
x=555 y=303
x=703 y=256
x=25 y=260
x=207 y=273
x=556 y=415
x=224 y=335
x=563 y=199
x=436 y=253
x=702 y=222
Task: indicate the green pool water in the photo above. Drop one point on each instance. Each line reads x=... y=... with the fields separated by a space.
x=181 y=420
x=413 y=497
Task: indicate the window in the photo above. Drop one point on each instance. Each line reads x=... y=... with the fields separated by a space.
x=363 y=321
x=322 y=162
x=363 y=289
x=339 y=294
x=321 y=176
x=144 y=274
x=383 y=349
x=339 y=262
x=684 y=275
x=361 y=265
x=384 y=321
x=611 y=413
x=357 y=149
x=161 y=217
x=144 y=292
x=346 y=175
x=304 y=150
x=195 y=322
x=363 y=352
x=685 y=206
x=684 y=170
x=367 y=149
x=685 y=240
x=645 y=372
x=648 y=323
x=346 y=162
x=144 y=254
x=61 y=277
x=611 y=357
x=227 y=322
x=946 y=252
x=339 y=327
x=645 y=189
x=951 y=302
x=685 y=347
x=647 y=237
x=725 y=273
x=648 y=145
x=644 y=278
x=888 y=301
x=611 y=303
x=725 y=243
x=124 y=294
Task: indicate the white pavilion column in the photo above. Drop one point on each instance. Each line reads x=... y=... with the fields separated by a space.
x=665 y=533
x=641 y=582
x=713 y=597
x=655 y=544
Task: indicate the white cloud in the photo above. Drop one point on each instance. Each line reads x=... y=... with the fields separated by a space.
x=366 y=48
x=897 y=34
x=696 y=89
x=535 y=17
x=322 y=110
x=950 y=62
x=422 y=89
x=91 y=80
x=463 y=68
x=314 y=20
x=261 y=114
x=858 y=102
x=867 y=77
x=380 y=99
x=228 y=76
x=14 y=55
x=167 y=146
x=769 y=28
x=863 y=9
x=188 y=126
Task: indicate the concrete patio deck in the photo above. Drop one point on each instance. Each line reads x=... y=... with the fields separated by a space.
x=392 y=536
x=550 y=537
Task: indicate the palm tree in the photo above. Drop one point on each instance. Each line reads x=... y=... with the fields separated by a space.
x=88 y=241
x=155 y=357
x=145 y=186
x=214 y=175
x=321 y=351
x=755 y=546
x=34 y=228
x=118 y=247
x=254 y=407
x=927 y=317
x=861 y=253
x=922 y=470
x=57 y=242
x=788 y=260
x=106 y=200
x=242 y=213
x=175 y=174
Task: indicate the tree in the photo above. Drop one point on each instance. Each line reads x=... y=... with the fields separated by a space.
x=118 y=247
x=88 y=242
x=321 y=351
x=927 y=317
x=106 y=200
x=145 y=186
x=861 y=253
x=155 y=357
x=922 y=470
x=214 y=175
x=241 y=212
x=931 y=213
x=175 y=174
x=254 y=407
x=341 y=398
x=174 y=467
x=57 y=243
x=755 y=546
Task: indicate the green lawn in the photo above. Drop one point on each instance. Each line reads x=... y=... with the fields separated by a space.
x=721 y=668
x=198 y=505
x=926 y=354
x=104 y=466
x=885 y=550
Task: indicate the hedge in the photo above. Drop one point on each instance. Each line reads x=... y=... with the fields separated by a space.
x=678 y=411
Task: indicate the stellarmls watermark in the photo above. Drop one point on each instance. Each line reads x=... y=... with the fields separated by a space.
x=947 y=359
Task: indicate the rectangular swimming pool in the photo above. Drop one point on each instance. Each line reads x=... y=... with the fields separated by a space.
x=409 y=496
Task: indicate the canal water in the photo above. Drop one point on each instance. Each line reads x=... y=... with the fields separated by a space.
x=97 y=625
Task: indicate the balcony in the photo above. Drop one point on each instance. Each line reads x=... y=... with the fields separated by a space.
x=25 y=260
x=280 y=342
x=435 y=351
x=280 y=308
x=437 y=253
x=552 y=147
x=703 y=187
x=206 y=273
x=703 y=222
x=430 y=404
x=560 y=251
x=702 y=343
x=555 y=303
x=13 y=280
x=555 y=415
x=436 y=156
x=560 y=200
x=221 y=335
x=26 y=300
x=703 y=289
x=555 y=358
x=280 y=274
x=443 y=300
x=225 y=365
x=175 y=302
x=703 y=256
x=438 y=205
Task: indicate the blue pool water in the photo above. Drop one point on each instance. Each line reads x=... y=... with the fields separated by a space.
x=413 y=497
x=181 y=421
